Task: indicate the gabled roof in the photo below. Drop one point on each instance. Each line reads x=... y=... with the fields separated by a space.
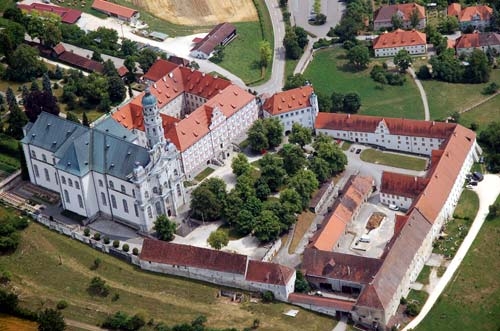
x=59 y=49
x=283 y=102
x=191 y=256
x=110 y=126
x=214 y=37
x=454 y=9
x=67 y=15
x=402 y=185
x=484 y=13
x=474 y=40
x=113 y=8
x=159 y=69
x=353 y=268
x=399 y=38
x=122 y=71
x=81 y=62
x=405 y=10
x=268 y=273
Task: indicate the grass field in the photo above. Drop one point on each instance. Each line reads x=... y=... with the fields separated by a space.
x=49 y=267
x=328 y=72
x=393 y=160
x=423 y=277
x=483 y=114
x=471 y=299
x=202 y=175
x=445 y=98
x=303 y=223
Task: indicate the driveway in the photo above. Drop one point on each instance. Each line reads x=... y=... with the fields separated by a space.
x=487 y=190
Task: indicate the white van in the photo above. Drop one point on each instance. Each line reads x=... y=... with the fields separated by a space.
x=364 y=239
x=393 y=207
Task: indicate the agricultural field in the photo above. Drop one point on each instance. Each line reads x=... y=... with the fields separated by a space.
x=329 y=71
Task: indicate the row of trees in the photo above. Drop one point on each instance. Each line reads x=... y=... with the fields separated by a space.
x=294 y=42
x=353 y=20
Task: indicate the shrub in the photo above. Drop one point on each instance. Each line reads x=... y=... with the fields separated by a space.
x=116 y=243
x=97 y=263
x=97 y=236
x=115 y=297
x=403 y=301
x=135 y=251
x=98 y=287
x=412 y=309
x=106 y=240
x=491 y=88
x=86 y=232
x=62 y=304
x=268 y=296
x=125 y=247
x=424 y=73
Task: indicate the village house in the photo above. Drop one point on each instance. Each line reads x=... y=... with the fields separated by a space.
x=221 y=35
x=390 y=43
x=114 y=10
x=202 y=115
x=67 y=15
x=484 y=41
x=384 y=15
x=478 y=17
x=298 y=105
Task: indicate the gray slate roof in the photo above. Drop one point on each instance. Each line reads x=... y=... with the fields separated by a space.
x=81 y=149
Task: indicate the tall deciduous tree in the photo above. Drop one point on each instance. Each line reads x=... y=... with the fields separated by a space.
x=208 y=199
x=300 y=135
x=146 y=59
x=293 y=158
x=165 y=228
x=51 y=320
x=267 y=226
x=403 y=60
x=352 y=102
x=38 y=101
x=266 y=53
x=304 y=183
x=359 y=56
x=24 y=64
x=218 y=239
x=414 y=18
x=397 y=21
x=240 y=165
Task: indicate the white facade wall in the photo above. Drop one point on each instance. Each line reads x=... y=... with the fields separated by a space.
x=41 y=166
x=90 y=197
x=71 y=193
x=400 y=201
x=281 y=292
x=196 y=157
x=304 y=116
x=385 y=24
x=173 y=108
x=468 y=50
x=243 y=119
x=121 y=200
x=391 y=51
x=368 y=315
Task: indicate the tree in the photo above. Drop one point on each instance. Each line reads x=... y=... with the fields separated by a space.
x=414 y=18
x=291 y=199
x=301 y=35
x=266 y=53
x=240 y=164
x=218 y=54
x=208 y=199
x=300 y=135
x=397 y=21
x=72 y=117
x=292 y=49
x=274 y=130
x=403 y=60
x=331 y=153
x=34 y=86
x=165 y=228
x=116 y=89
x=490 y=139
x=359 y=56
x=98 y=287
x=448 y=25
x=146 y=59
x=233 y=206
x=38 y=101
x=85 y=120
x=245 y=222
x=257 y=136
x=352 y=102
x=10 y=97
x=294 y=81
x=272 y=171
x=24 y=64
x=16 y=121
x=283 y=3
x=301 y=284
x=324 y=102
x=293 y=158
x=46 y=84
x=337 y=102
x=128 y=48
x=478 y=70
x=321 y=168
x=51 y=320
x=304 y=183
x=267 y=226
x=218 y=239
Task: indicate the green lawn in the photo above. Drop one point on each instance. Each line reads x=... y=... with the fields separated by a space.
x=471 y=299
x=419 y=297
x=423 y=277
x=202 y=175
x=346 y=145
x=328 y=72
x=290 y=67
x=393 y=160
x=483 y=114
x=457 y=228
x=242 y=55
x=446 y=98
x=48 y=267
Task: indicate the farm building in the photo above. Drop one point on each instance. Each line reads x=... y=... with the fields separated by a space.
x=123 y=13
x=67 y=15
x=222 y=35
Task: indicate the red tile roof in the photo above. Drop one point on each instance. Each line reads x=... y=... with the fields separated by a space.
x=397 y=126
x=290 y=100
x=353 y=268
x=399 y=38
x=337 y=304
x=354 y=192
x=474 y=40
x=81 y=62
x=68 y=15
x=454 y=9
x=191 y=256
x=215 y=37
x=159 y=69
x=59 y=49
x=402 y=185
x=122 y=71
x=268 y=273
x=385 y=13
x=113 y=8
x=469 y=13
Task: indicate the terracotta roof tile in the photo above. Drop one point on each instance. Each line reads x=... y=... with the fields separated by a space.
x=67 y=15
x=402 y=185
x=81 y=62
x=469 y=13
x=122 y=71
x=268 y=273
x=107 y=6
x=385 y=13
x=454 y=9
x=159 y=69
x=399 y=38
x=290 y=100
x=474 y=40
x=59 y=49
x=214 y=37
x=191 y=256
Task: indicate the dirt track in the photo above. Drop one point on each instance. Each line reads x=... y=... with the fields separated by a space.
x=200 y=12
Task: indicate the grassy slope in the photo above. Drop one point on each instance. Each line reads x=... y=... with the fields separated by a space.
x=393 y=160
x=483 y=114
x=43 y=279
x=328 y=73
x=445 y=98
x=471 y=301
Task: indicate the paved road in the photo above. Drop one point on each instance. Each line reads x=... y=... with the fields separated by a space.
x=487 y=191
x=423 y=95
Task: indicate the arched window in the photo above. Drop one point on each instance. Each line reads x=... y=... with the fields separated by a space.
x=80 y=201
x=46 y=172
x=66 y=196
x=103 y=199
x=146 y=194
x=136 y=210
x=100 y=182
x=125 y=205
x=155 y=190
x=35 y=169
x=63 y=180
x=77 y=185
x=113 y=201
x=179 y=192
x=111 y=185
x=122 y=188
x=150 y=212
x=158 y=208
x=70 y=182
x=33 y=154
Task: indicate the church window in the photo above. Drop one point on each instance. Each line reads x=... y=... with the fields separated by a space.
x=122 y=188
x=63 y=180
x=47 y=177
x=113 y=201
x=66 y=196
x=44 y=158
x=100 y=182
x=136 y=210
x=103 y=199
x=33 y=154
x=35 y=169
x=155 y=190
x=77 y=185
x=125 y=205
x=146 y=194
x=179 y=192
x=57 y=181
x=133 y=193
x=111 y=185
x=70 y=182
x=150 y=212
x=176 y=173
x=80 y=201
x=158 y=208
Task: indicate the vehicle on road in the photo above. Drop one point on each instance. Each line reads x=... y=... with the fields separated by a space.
x=358 y=151
x=393 y=207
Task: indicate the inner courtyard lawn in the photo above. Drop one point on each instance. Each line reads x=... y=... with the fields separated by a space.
x=329 y=72
x=393 y=159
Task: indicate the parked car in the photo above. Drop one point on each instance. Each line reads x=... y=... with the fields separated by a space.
x=473 y=183
x=468 y=186
x=477 y=176
x=393 y=207
x=358 y=151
